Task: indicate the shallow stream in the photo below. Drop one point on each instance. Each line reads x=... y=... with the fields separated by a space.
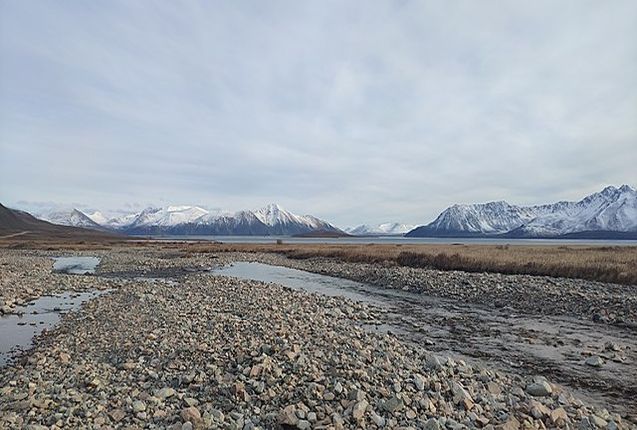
x=555 y=347
x=18 y=330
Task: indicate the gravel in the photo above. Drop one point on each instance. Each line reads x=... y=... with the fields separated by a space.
x=202 y=351
x=600 y=302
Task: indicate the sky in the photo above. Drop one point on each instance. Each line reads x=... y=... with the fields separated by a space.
x=353 y=111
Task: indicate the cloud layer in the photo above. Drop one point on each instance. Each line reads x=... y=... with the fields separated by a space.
x=353 y=111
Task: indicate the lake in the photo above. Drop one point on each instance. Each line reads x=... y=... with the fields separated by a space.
x=398 y=240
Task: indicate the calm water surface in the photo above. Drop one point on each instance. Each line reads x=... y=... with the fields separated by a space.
x=398 y=240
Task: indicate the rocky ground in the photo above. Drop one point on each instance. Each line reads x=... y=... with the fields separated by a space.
x=597 y=301
x=172 y=347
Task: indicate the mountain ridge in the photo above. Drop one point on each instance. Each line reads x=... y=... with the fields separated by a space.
x=15 y=222
x=384 y=229
x=270 y=220
x=612 y=210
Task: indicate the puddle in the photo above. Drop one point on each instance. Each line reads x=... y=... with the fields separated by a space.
x=17 y=331
x=520 y=343
x=75 y=265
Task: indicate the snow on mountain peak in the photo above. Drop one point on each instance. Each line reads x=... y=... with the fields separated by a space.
x=72 y=217
x=273 y=214
x=389 y=229
x=97 y=217
x=611 y=209
x=169 y=216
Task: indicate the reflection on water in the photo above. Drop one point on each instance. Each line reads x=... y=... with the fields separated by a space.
x=18 y=330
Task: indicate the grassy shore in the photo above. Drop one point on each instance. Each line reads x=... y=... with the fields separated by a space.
x=617 y=264
x=606 y=264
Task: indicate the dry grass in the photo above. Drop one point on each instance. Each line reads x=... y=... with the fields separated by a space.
x=617 y=264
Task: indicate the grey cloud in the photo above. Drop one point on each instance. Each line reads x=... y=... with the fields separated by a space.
x=352 y=111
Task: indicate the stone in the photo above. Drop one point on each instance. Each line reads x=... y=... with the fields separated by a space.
x=594 y=361
x=165 y=393
x=511 y=424
x=599 y=422
x=359 y=409
x=460 y=394
x=139 y=406
x=431 y=424
x=287 y=416
x=378 y=420
x=539 y=389
x=117 y=415
x=358 y=395
x=191 y=414
x=419 y=382
x=538 y=410
x=494 y=388
x=559 y=416
x=432 y=362
x=303 y=425
x=392 y=404
x=190 y=401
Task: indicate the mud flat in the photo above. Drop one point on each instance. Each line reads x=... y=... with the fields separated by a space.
x=175 y=346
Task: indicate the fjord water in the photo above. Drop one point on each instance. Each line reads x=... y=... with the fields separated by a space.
x=397 y=240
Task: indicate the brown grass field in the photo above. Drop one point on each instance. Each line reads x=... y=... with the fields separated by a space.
x=607 y=264
x=617 y=264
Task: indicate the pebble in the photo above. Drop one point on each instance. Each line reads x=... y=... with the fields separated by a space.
x=594 y=361
x=201 y=351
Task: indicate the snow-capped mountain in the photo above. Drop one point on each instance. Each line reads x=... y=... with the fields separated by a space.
x=386 y=229
x=70 y=217
x=282 y=222
x=479 y=219
x=610 y=210
x=97 y=217
x=194 y=220
x=168 y=216
x=121 y=221
x=242 y=223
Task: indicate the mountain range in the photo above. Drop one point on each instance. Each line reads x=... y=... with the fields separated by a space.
x=610 y=213
x=271 y=220
x=17 y=223
x=386 y=229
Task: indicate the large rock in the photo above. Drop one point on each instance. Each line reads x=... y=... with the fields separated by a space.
x=539 y=388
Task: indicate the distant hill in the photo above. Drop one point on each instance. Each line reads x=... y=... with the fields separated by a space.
x=19 y=223
x=608 y=214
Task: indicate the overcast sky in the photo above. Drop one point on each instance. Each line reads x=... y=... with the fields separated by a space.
x=354 y=111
